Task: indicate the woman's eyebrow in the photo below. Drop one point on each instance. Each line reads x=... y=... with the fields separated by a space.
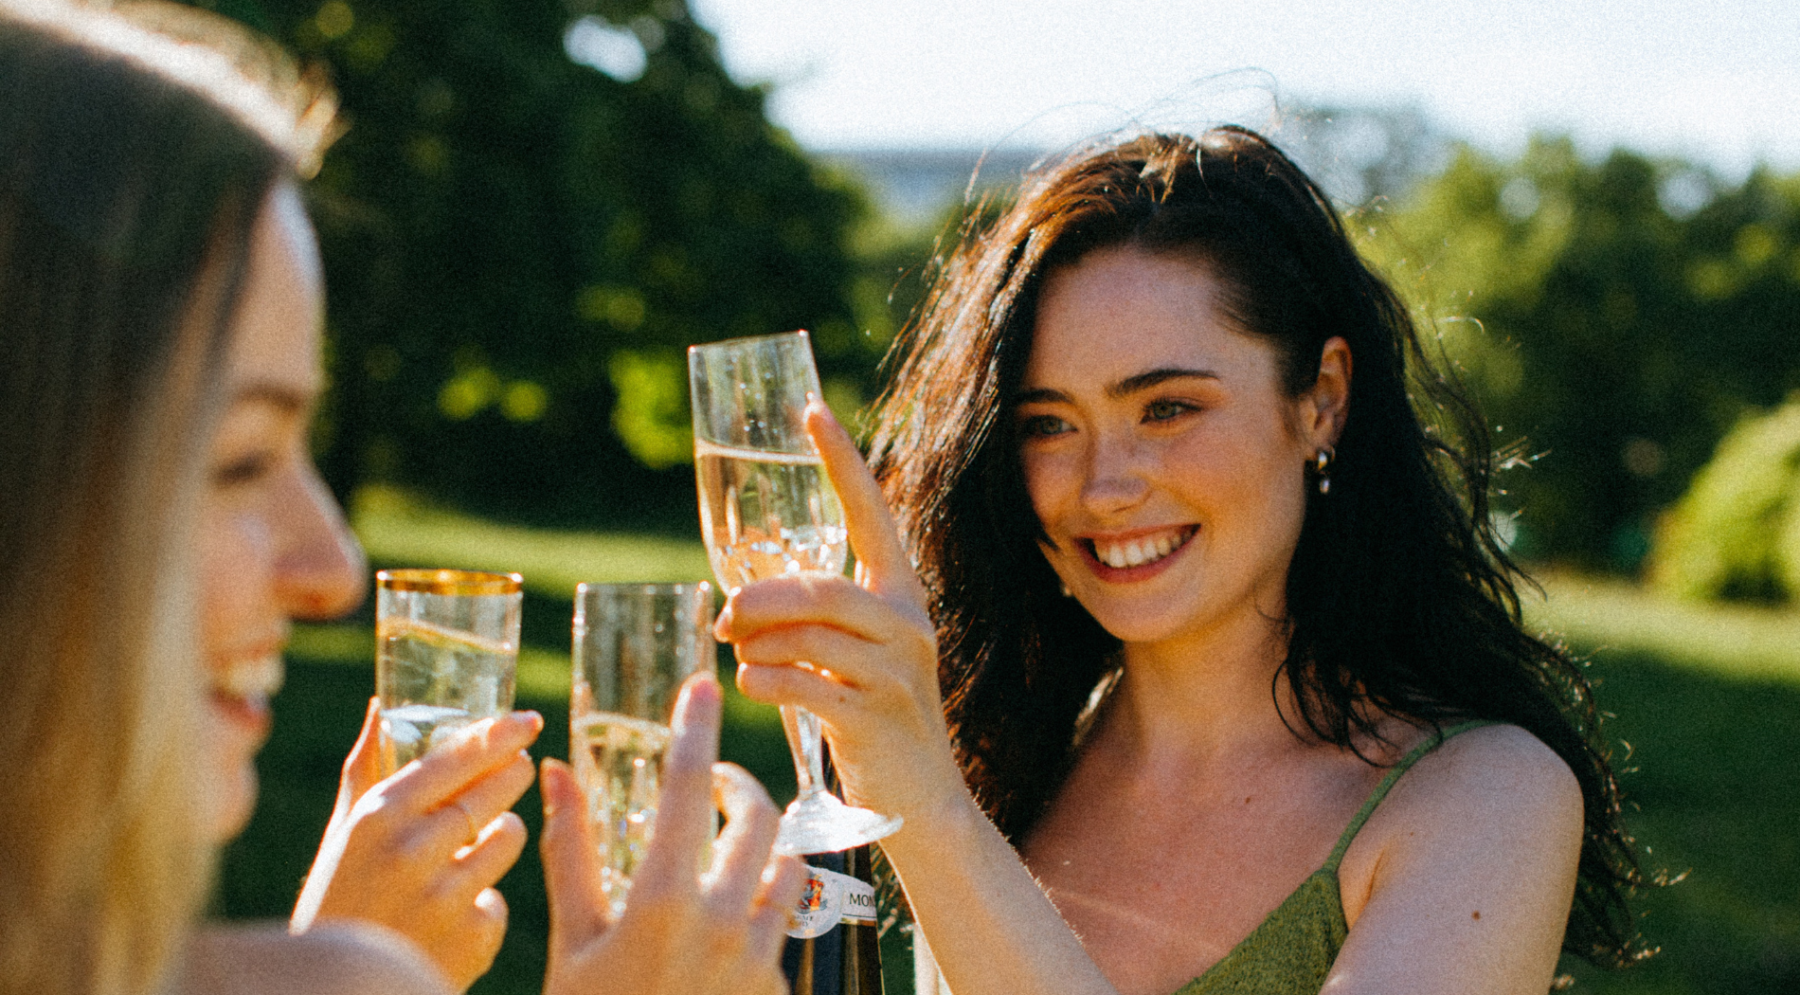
x=1039 y=395
x=289 y=400
x=1144 y=381
x=1124 y=388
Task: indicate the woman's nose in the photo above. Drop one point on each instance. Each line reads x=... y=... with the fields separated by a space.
x=321 y=572
x=1115 y=479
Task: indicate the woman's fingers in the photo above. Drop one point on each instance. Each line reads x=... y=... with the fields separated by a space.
x=571 y=866
x=491 y=915
x=681 y=931
x=684 y=808
x=490 y=905
x=778 y=891
x=817 y=599
x=851 y=661
x=362 y=768
x=446 y=771
x=490 y=797
x=742 y=849
x=484 y=861
x=880 y=556
x=833 y=703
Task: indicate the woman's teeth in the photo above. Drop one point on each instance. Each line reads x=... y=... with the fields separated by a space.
x=247 y=679
x=1142 y=550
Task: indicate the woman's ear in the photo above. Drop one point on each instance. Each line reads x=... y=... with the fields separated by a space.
x=1327 y=403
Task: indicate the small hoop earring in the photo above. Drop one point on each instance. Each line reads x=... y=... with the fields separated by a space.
x=1322 y=461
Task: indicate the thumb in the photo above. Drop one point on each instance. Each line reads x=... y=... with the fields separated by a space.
x=362 y=768
x=571 y=869
x=881 y=559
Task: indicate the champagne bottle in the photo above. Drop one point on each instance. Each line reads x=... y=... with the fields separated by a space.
x=835 y=949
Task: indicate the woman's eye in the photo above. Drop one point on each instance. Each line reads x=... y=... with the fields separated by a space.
x=1165 y=410
x=244 y=470
x=1039 y=426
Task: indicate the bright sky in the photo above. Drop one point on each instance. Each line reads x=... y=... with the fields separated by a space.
x=1712 y=80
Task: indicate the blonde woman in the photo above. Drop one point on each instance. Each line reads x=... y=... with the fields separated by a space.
x=161 y=524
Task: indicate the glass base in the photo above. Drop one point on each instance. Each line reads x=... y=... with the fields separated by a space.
x=822 y=824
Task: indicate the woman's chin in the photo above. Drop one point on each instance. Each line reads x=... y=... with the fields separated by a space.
x=238 y=729
x=231 y=801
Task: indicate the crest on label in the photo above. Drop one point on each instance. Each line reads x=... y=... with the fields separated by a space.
x=820 y=906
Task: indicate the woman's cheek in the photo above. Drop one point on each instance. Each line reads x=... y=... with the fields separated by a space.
x=229 y=792
x=235 y=578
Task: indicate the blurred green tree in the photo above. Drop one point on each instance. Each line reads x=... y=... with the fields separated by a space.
x=519 y=247
x=1736 y=532
x=1626 y=313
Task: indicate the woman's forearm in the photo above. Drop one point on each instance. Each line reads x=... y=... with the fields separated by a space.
x=988 y=925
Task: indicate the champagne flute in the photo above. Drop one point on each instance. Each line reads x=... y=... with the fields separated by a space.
x=634 y=645
x=447 y=645
x=768 y=510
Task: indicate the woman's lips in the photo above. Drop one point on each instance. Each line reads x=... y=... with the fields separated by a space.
x=248 y=713
x=1135 y=556
x=241 y=691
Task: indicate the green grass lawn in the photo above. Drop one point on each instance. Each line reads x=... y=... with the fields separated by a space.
x=1704 y=700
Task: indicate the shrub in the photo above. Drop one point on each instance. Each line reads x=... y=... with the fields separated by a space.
x=1736 y=532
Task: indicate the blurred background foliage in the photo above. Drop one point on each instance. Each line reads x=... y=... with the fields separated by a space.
x=1617 y=319
x=1736 y=533
x=519 y=247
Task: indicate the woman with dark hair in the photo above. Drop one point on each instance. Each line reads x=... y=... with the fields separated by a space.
x=161 y=524
x=1199 y=667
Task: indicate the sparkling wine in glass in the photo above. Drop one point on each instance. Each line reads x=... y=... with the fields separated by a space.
x=447 y=646
x=634 y=644
x=767 y=510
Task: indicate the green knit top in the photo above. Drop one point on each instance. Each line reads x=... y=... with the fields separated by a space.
x=1292 y=951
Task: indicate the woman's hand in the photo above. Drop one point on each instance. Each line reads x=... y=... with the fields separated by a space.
x=682 y=932
x=870 y=673
x=869 y=647
x=420 y=851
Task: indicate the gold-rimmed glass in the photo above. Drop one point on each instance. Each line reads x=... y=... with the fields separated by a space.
x=446 y=655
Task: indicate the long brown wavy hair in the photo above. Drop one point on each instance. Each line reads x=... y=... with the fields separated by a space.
x=1400 y=599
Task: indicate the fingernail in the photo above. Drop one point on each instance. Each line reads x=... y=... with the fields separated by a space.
x=705 y=687
x=548 y=790
x=550 y=783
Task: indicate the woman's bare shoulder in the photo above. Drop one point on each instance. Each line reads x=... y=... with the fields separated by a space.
x=1499 y=774
x=1463 y=877
x=330 y=959
x=1483 y=795
x=1494 y=762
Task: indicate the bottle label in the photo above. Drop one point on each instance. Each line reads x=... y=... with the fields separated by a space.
x=831 y=898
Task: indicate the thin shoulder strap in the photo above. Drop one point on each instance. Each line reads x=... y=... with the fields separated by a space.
x=1387 y=784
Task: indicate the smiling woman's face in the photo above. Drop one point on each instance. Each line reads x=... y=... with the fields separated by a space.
x=1163 y=460
x=274 y=546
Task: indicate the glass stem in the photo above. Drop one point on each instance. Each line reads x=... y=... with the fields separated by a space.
x=804 y=738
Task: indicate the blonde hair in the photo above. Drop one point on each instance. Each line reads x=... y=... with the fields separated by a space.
x=136 y=162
